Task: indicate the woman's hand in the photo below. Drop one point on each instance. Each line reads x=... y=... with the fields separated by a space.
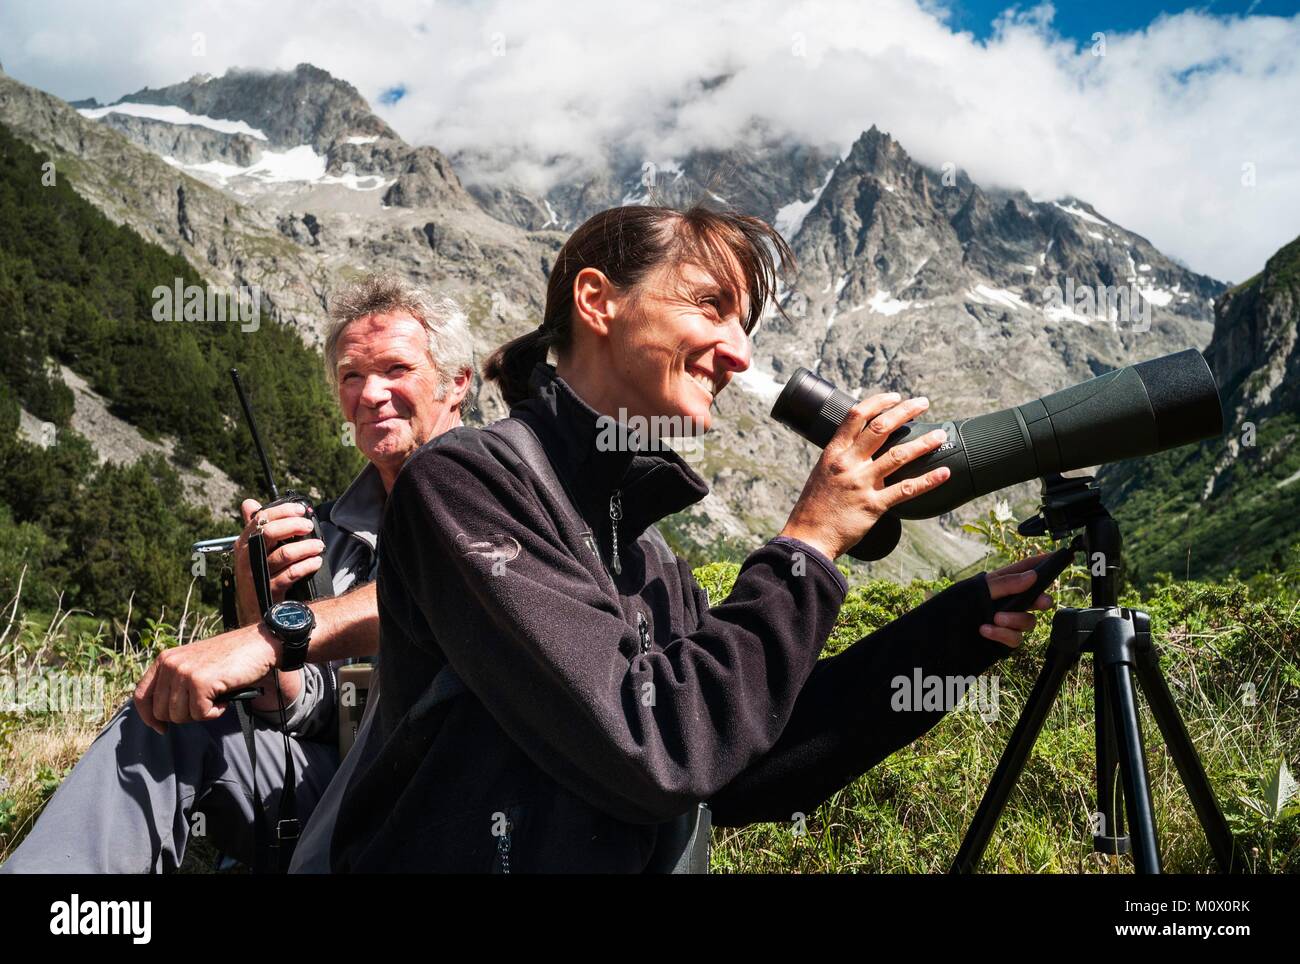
x=1009 y=628
x=846 y=493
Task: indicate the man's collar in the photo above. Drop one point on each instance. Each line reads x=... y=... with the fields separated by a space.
x=360 y=509
x=654 y=484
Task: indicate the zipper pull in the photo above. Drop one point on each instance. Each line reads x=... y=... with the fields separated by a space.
x=643 y=631
x=615 y=514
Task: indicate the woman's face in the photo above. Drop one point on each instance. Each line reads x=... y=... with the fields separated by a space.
x=676 y=342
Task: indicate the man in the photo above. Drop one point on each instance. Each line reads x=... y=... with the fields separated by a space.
x=173 y=763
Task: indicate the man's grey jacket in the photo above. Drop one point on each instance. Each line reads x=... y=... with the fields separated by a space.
x=601 y=705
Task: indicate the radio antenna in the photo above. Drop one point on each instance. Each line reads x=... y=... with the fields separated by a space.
x=257 y=439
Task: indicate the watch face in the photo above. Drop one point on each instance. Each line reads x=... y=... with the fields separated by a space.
x=291 y=616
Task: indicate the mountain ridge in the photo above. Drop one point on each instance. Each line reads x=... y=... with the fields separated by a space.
x=909 y=278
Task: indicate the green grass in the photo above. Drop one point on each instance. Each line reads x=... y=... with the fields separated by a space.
x=88 y=666
x=1231 y=654
x=1220 y=642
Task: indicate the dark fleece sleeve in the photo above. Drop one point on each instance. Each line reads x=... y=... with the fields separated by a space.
x=547 y=652
x=844 y=722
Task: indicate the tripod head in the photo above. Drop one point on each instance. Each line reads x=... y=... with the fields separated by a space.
x=1071 y=503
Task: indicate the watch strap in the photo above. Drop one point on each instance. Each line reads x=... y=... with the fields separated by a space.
x=292 y=655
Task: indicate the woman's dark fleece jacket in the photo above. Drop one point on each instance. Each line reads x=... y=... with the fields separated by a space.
x=601 y=706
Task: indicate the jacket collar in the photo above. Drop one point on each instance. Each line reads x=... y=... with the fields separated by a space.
x=360 y=509
x=654 y=484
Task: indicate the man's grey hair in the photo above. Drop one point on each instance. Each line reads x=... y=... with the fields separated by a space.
x=451 y=349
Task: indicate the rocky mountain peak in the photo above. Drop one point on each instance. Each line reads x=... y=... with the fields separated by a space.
x=306 y=105
x=266 y=132
x=904 y=269
x=875 y=152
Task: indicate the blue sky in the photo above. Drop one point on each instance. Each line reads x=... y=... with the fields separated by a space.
x=1078 y=20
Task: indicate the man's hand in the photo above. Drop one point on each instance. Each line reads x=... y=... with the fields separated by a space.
x=182 y=683
x=1009 y=628
x=288 y=562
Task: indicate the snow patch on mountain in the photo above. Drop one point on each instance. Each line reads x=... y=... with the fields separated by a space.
x=985 y=295
x=552 y=217
x=882 y=303
x=1081 y=213
x=298 y=164
x=790 y=217
x=1158 y=296
x=758 y=382
x=174 y=115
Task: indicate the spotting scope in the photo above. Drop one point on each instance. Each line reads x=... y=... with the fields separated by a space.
x=1138 y=410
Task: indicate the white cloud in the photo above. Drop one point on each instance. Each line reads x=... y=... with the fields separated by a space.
x=1155 y=134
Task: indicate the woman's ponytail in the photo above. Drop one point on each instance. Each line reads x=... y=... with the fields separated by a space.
x=511 y=366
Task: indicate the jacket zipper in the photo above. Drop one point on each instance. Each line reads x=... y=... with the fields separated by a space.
x=503 y=847
x=615 y=514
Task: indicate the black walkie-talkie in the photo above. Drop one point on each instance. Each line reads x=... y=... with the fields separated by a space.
x=320 y=585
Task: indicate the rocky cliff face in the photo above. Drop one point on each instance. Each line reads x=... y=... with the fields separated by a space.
x=1231 y=502
x=1255 y=357
x=909 y=279
x=760 y=177
x=1254 y=352
x=188 y=144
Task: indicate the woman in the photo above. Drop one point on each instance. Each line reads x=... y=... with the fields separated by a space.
x=559 y=695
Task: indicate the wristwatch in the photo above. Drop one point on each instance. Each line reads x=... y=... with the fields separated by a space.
x=291 y=622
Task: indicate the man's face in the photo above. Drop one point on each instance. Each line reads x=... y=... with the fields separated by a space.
x=388 y=387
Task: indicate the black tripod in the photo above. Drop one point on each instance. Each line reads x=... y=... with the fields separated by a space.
x=1120 y=643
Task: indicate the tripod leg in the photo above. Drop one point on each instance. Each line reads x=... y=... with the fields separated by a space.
x=1185 y=759
x=1062 y=654
x=1114 y=641
x=1109 y=837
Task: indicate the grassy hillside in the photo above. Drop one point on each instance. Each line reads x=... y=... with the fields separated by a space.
x=1230 y=650
x=1231 y=653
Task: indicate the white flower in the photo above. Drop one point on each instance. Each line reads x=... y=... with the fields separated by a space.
x=1002 y=511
